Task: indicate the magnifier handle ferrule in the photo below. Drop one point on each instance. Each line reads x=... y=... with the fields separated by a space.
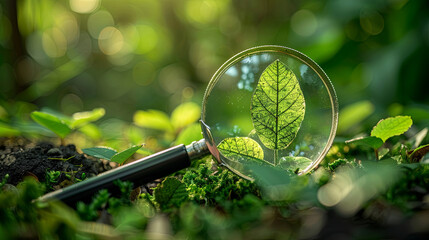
x=139 y=172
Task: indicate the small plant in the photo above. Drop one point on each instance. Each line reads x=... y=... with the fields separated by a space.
x=62 y=126
x=385 y=129
x=111 y=154
x=181 y=125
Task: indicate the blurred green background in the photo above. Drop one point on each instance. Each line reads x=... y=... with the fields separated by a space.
x=76 y=55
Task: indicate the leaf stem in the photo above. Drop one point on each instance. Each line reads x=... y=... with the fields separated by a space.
x=276 y=155
x=376 y=154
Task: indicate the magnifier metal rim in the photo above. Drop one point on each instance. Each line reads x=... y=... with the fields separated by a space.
x=294 y=54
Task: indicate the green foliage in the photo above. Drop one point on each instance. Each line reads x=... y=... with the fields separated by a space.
x=371 y=141
x=183 y=115
x=241 y=149
x=104 y=201
x=100 y=152
x=189 y=134
x=121 y=157
x=111 y=154
x=278 y=106
x=51 y=122
x=63 y=125
x=214 y=185
x=170 y=193
x=153 y=119
x=390 y=127
x=385 y=129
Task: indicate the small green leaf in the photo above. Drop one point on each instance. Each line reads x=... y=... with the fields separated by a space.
x=241 y=149
x=185 y=114
x=189 y=134
x=278 y=106
x=390 y=127
x=371 y=141
x=124 y=155
x=100 y=152
x=51 y=122
x=170 y=193
x=82 y=118
x=294 y=163
x=153 y=119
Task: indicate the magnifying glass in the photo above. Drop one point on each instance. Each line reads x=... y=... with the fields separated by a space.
x=268 y=105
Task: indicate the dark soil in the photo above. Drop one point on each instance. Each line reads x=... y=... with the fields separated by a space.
x=20 y=158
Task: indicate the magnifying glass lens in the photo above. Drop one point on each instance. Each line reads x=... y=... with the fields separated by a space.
x=270 y=105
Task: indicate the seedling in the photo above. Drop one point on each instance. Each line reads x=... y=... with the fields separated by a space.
x=111 y=154
x=181 y=125
x=385 y=129
x=62 y=126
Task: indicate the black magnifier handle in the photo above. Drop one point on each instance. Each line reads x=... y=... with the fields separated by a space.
x=139 y=172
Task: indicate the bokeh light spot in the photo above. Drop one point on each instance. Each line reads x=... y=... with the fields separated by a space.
x=204 y=12
x=98 y=21
x=84 y=6
x=110 y=40
x=148 y=39
x=54 y=43
x=172 y=78
x=371 y=22
x=304 y=23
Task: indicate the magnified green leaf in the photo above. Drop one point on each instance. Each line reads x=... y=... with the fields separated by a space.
x=390 y=127
x=124 y=155
x=100 y=152
x=82 y=118
x=52 y=123
x=241 y=149
x=278 y=106
x=294 y=163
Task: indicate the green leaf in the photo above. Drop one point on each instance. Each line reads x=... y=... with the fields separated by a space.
x=170 y=193
x=390 y=127
x=153 y=119
x=278 y=106
x=82 y=118
x=185 y=114
x=371 y=141
x=100 y=152
x=124 y=155
x=91 y=130
x=189 y=134
x=52 y=123
x=8 y=131
x=241 y=149
x=294 y=163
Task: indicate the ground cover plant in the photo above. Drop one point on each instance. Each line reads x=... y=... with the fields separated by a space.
x=367 y=187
